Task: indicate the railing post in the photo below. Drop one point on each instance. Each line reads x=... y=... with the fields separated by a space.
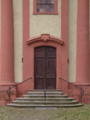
x=44 y=91
x=9 y=94
x=8 y=91
x=81 y=94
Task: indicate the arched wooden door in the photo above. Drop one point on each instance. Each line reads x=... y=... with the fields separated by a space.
x=45 y=67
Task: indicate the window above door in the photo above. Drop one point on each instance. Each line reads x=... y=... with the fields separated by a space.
x=45 y=7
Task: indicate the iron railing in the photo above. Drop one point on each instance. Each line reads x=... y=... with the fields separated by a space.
x=8 y=91
x=82 y=91
x=44 y=91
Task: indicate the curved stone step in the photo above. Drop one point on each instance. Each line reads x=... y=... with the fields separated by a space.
x=34 y=106
x=47 y=96
x=47 y=90
x=48 y=99
x=46 y=102
x=54 y=98
x=47 y=93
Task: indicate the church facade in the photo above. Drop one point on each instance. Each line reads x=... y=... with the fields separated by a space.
x=44 y=40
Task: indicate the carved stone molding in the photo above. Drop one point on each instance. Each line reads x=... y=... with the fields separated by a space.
x=45 y=38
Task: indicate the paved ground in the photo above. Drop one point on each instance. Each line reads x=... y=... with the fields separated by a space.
x=79 y=113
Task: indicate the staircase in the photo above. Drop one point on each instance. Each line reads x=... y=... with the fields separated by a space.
x=54 y=98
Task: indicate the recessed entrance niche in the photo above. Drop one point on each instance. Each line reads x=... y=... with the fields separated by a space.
x=45 y=60
x=45 y=67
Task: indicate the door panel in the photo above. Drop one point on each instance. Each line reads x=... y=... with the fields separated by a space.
x=39 y=83
x=50 y=68
x=39 y=73
x=50 y=83
x=50 y=52
x=45 y=67
x=39 y=68
x=39 y=52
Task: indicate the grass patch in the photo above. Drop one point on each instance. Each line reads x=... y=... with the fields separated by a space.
x=75 y=113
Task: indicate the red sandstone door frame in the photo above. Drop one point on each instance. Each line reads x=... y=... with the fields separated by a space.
x=58 y=62
x=28 y=60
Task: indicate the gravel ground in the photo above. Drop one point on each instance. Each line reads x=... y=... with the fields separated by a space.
x=76 y=113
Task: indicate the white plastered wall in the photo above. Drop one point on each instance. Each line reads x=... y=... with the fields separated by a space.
x=0 y=40
x=41 y=24
x=18 y=39
x=72 y=39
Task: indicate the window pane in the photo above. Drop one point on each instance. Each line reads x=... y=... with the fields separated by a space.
x=52 y=1
x=45 y=1
x=49 y=8
x=48 y=1
x=41 y=1
x=41 y=8
x=38 y=1
x=45 y=5
x=38 y=8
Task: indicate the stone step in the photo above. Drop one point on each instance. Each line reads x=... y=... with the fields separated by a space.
x=47 y=96
x=54 y=98
x=45 y=102
x=47 y=99
x=34 y=106
x=47 y=93
x=47 y=90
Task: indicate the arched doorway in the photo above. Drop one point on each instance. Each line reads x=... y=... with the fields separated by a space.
x=45 y=67
x=44 y=40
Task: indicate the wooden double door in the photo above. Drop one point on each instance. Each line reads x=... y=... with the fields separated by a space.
x=45 y=67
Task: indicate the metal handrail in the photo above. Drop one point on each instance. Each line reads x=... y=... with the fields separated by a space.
x=8 y=91
x=82 y=91
x=44 y=91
